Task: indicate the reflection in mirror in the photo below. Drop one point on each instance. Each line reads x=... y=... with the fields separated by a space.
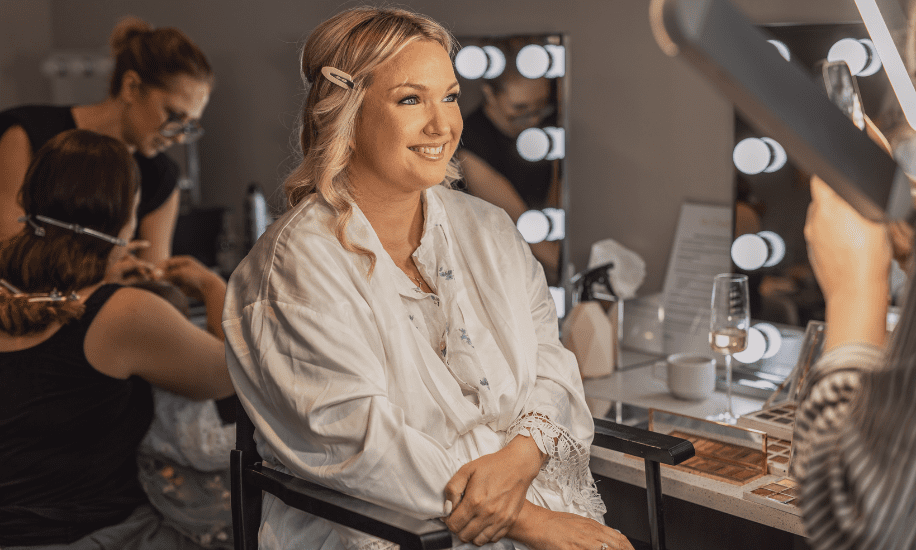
x=514 y=139
x=772 y=195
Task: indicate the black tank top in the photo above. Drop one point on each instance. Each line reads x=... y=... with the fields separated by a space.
x=68 y=438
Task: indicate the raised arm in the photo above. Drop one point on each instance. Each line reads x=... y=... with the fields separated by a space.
x=849 y=411
x=851 y=259
x=158 y=228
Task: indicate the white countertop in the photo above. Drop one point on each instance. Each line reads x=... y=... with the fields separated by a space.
x=637 y=387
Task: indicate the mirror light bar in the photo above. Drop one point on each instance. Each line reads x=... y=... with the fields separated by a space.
x=887 y=50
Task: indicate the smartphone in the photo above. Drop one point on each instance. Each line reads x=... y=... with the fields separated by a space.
x=843 y=90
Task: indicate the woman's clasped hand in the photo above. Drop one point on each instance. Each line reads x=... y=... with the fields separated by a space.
x=490 y=495
x=486 y=495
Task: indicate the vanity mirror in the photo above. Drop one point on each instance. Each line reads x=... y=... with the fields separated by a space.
x=513 y=100
x=772 y=194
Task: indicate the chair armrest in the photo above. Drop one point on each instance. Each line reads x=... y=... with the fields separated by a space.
x=410 y=533
x=652 y=446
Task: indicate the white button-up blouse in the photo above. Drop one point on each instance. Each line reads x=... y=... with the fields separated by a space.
x=365 y=385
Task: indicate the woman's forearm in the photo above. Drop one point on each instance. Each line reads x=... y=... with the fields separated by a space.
x=858 y=317
x=526 y=527
x=214 y=296
x=527 y=449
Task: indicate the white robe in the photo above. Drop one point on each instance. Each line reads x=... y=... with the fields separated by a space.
x=344 y=391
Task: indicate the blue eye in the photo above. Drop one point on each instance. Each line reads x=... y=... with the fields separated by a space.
x=451 y=98
x=410 y=100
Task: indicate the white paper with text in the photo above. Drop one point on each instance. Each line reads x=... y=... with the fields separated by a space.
x=700 y=252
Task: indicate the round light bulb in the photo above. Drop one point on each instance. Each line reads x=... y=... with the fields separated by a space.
x=777 y=248
x=532 y=61
x=750 y=252
x=782 y=49
x=874 y=59
x=557 y=142
x=773 y=338
x=533 y=144
x=559 y=300
x=496 y=62
x=557 y=61
x=534 y=226
x=778 y=156
x=850 y=50
x=756 y=347
x=557 y=223
x=752 y=156
x=471 y=62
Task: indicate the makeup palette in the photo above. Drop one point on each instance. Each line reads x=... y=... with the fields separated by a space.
x=781 y=494
x=732 y=454
x=779 y=452
x=734 y=464
x=777 y=421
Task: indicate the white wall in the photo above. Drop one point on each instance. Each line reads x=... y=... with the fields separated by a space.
x=646 y=132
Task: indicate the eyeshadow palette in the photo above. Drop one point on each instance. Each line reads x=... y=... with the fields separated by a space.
x=722 y=461
x=779 y=451
x=724 y=452
x=777 y=421
x=781 y=494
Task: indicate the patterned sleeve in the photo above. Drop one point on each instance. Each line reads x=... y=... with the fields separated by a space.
x=824 y=401
x=834 y=456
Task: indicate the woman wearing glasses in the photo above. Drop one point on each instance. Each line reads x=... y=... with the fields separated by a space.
x=158 y=91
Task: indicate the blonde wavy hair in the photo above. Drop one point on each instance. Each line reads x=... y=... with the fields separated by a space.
x=356 y=42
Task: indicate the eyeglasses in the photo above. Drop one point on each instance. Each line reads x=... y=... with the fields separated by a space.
x=174 y=126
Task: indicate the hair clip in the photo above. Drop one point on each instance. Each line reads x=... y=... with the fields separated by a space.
x=53 y=296
x=39 y=231
x=338 y=77
x=76 y=228
x=13 y=290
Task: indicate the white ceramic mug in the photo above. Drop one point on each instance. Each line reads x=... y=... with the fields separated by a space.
x=690 y=375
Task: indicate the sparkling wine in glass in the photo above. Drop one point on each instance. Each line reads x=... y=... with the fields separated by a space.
x=730 y=317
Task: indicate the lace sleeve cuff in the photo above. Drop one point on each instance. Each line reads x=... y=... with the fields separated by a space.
x=567 y=466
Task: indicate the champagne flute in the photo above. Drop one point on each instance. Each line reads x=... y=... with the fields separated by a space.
x=730 y=317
